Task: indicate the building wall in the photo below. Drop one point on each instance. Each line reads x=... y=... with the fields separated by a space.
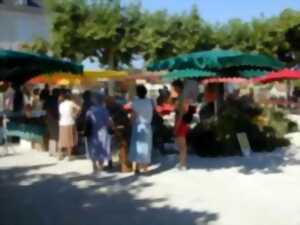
x=21 y=23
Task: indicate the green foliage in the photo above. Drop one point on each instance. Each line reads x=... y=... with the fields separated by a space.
x=218 y=137
x=116 y=33
x=112 y=31
x=67 y=17
x=279 y=122
x=39 y=46
x=264 y=35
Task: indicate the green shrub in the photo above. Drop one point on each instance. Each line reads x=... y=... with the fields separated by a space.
x=214 y=138
x=278 y=120
x=292 y=127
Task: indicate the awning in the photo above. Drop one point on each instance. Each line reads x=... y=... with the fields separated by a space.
x=232 y=80
x=19 y=67
x=285 y=74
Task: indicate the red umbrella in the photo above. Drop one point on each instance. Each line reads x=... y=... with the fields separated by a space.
x=127 y=107
x=233 y=80
x=285 y=74
x=165 y=109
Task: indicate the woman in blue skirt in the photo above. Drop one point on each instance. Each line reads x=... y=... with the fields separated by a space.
x=141 y=137
x=98 y=123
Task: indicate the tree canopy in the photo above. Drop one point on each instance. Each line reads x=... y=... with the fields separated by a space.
x=116 y=34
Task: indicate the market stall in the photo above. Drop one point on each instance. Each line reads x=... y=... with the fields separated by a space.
x=217 y=134
x=16 y=68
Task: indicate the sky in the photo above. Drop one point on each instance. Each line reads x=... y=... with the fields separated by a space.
x=216 y=11
x=222 y=10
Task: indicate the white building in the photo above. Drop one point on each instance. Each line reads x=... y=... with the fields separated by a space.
x=22 y=21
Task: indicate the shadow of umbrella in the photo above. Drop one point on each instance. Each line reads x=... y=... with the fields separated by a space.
x=71 y=199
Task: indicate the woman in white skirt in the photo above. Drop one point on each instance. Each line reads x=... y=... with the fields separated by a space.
x=68 y=112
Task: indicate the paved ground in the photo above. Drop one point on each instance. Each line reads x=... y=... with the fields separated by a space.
x=261 y=190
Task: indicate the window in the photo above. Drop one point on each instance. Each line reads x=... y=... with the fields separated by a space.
x=30 y=3
x=20 y=2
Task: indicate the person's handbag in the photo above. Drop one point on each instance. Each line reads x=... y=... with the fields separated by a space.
x=110 y=130
x=189 y=115
x=87 y=128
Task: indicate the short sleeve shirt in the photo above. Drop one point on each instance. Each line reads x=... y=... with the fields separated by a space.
x=66 y=113
x=143 y=109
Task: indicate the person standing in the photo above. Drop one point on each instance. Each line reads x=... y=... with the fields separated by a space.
x=36 y=101
x=9 y=99
x=98 y=123
x=68 y=112
x=182 y=118
x=52 y=118
x=18 y=101
x=45 y=93
x=121 y=132
x=27 y=95
x=87 y=103
x=141 y=137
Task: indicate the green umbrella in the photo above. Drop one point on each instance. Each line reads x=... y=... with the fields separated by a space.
x=251 y=73
x=19 y=67
x=197 y=60
x=182 y=74
x=217 y=63
x=251 y=60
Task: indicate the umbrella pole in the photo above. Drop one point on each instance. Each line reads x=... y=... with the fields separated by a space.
x=289 y=93
x=220 y=98
x=216 y=108
x=111 y=88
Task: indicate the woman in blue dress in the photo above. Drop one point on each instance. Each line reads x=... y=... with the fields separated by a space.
x=141 y=137
x=98 y=123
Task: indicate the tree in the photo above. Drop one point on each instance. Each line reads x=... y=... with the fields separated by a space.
x=67 y=17
x=115 y=34
x=233 y=35
x=165 y=36
x=96 y=28
x=112 y=31
x=39 y=46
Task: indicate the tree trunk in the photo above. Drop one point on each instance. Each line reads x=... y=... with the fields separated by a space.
x=113 y=66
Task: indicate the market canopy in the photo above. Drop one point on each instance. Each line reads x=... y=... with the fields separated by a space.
x=216 y=60
x=86 y=78
x=281 y=75
x=189 y=73
x=105 y=74
x=216 y=63
x=20 y=67
x=192 y=73
x=224 y=80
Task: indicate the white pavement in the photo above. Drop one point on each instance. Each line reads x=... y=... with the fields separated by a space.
x=261 y=190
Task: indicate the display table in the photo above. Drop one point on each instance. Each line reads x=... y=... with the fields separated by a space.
x=27 y=131
x=31 y=129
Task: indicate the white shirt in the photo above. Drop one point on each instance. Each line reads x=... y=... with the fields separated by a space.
x=66 y=113
x=191 y=90
x=143 y=109
x=9 y=99
x=27 y=100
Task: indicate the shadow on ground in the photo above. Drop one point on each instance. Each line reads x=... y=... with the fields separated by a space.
x=28 y=198
x=265 y=163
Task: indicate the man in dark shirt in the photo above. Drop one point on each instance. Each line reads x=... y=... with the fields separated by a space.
x=45 y=93
x=18 y=102
x=122 y=130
